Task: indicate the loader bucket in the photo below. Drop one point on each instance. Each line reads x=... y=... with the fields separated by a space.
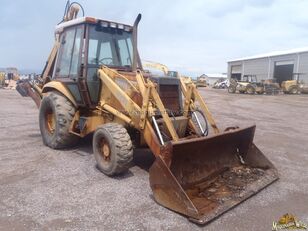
x=202 y=178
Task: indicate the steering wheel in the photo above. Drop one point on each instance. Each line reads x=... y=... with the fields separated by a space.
x=102 y=61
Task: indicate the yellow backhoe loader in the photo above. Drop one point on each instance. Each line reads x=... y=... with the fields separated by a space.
x=165 y=70
x=161 y=67
x=250 y=85
x=201 y=82
x=94 y=82
x=295 y=86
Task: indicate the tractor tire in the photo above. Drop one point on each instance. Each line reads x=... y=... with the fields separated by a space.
x=294 y=90
x=55 y=117
x=260 y=92
x=231 y=89
x=113 y=149
x=250 y=90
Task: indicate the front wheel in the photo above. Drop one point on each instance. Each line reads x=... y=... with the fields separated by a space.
x=113 y=150
x=294 y=90
x=250 y=90
x=231 y=89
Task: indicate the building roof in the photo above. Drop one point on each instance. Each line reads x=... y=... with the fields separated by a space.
x=214 y=75
x=272 y=54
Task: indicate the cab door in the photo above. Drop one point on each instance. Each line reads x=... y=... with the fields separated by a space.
x=69 y=61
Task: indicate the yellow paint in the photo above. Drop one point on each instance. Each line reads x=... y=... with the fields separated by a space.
x=286 y=85
x=58 y=86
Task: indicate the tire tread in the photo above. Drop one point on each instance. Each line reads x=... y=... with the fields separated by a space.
x=123 y=146
x=65 y=112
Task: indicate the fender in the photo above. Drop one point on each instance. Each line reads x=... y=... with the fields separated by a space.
x=60 y=87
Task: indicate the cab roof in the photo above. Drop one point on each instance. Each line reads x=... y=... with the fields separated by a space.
x=91 y=20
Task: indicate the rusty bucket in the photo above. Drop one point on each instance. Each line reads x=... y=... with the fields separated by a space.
x=202 y=178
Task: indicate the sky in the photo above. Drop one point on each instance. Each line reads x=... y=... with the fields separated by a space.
x=193 y=37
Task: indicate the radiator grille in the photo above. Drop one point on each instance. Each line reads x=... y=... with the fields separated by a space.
x=170 y=97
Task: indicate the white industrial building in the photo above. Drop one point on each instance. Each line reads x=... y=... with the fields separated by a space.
x=279 y=65
x=212 y=78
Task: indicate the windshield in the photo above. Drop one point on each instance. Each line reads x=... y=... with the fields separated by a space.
x=250 y=78
x=110 y=46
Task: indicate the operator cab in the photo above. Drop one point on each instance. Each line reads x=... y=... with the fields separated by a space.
x=249 y=78
x=86 y=44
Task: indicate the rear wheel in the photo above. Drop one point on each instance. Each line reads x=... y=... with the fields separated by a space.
x=113 y=150
x=260 y=92
x=55 y=117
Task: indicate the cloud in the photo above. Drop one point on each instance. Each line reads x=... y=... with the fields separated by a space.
x=194 y=37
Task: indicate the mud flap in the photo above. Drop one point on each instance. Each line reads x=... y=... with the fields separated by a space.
x=204 y=177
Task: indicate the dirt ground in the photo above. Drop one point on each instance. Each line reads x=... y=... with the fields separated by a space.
x=45 y=189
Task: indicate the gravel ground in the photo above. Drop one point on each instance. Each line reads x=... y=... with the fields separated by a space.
x=45 y=189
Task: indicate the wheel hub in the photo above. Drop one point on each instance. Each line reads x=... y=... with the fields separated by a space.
x=51 y=122
x=105 y=150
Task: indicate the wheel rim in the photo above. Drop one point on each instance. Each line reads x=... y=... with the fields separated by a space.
x=104 y=150
x=50 y=121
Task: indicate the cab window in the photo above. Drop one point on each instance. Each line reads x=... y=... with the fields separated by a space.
x=68 y=60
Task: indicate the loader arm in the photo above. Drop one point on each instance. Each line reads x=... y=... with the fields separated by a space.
x=133 y=112
x=141 y=118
